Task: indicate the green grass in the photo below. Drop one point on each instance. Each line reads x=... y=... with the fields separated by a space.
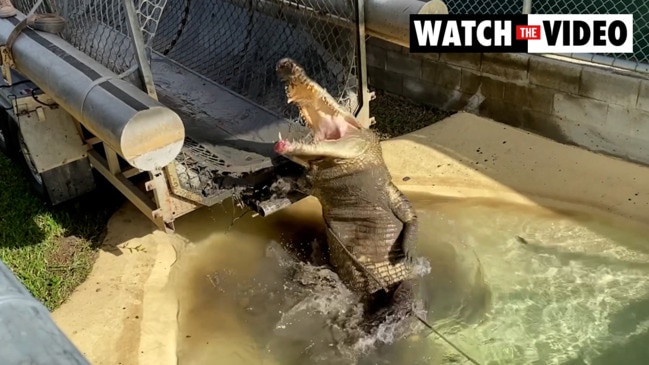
x=50 y=249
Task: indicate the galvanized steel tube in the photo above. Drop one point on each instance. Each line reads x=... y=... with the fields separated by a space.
x=390 y=19
x=144 y=132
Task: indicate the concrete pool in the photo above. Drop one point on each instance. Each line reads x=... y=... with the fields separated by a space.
x=560 y=233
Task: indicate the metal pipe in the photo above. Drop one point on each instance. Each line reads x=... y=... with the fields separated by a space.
x=27 y=332
x=390 y=19
x=265 y=203
x=527 y=6
x=147 y=134
x=271 y=206
x=385 y=19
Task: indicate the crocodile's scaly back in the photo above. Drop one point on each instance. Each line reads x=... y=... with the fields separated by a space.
x=371 y=224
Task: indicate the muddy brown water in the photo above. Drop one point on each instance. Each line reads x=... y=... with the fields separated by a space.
x=547 y=287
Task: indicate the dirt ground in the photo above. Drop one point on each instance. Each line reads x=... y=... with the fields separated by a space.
x=125 y=313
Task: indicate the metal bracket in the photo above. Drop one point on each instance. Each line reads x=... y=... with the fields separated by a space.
x=40 y=113
x=7 y=64
x=51 y=23
x=7 y=57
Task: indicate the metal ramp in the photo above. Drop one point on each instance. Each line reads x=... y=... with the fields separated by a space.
x=229 y=139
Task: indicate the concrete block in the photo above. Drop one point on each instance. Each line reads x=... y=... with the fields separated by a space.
x=447 y=76
x=627 y=121
x=587 y=136
x=544 y=124
x=607 y=86
x=434 y=57
x=385 y=80
x=628 y=130
x=501 y=111
x=560 y=75
x=465 y=60
x=643 y=96
x=378 y=42
x=489 y=87
x=376 y=56
x=426 y=92
x=580 y=109
x=621 y=135
x=511 y=66
x=531 y=97
x=402 y=64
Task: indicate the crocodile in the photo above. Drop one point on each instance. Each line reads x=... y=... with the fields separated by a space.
x=371 y=226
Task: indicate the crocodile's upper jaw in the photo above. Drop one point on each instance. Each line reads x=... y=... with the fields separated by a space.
x=326 y=123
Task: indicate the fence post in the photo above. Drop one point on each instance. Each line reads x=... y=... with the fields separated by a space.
x=137 y=38
x=527 y=6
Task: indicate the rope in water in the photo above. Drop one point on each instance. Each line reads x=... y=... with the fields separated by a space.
x=422 y=320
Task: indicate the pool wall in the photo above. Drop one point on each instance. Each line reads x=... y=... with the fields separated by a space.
x=596 y=107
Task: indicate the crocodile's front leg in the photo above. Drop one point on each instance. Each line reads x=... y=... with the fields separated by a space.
x=404 y=211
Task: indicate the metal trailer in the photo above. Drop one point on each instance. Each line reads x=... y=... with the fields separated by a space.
x=176 y=103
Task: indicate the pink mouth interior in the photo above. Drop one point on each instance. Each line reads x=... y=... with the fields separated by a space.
x=332 y=128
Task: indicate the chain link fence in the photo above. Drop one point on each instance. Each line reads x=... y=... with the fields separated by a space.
x=637 y=61
x=235 y=43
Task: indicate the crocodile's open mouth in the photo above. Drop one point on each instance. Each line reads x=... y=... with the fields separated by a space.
x=326 y=123
x=331 y=127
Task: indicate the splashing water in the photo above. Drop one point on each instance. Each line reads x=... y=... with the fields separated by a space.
x=508 y=284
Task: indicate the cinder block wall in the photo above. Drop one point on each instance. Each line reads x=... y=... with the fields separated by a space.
x=598 y=108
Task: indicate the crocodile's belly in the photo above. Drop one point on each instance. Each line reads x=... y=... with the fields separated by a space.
x=375 y=245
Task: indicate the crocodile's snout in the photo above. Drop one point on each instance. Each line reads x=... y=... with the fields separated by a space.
x=286 y=68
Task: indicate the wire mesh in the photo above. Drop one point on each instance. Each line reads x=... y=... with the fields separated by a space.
x=233 y=43
x=639 y=9
x=237 y=43
x=99 y=28
x=638 y=60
